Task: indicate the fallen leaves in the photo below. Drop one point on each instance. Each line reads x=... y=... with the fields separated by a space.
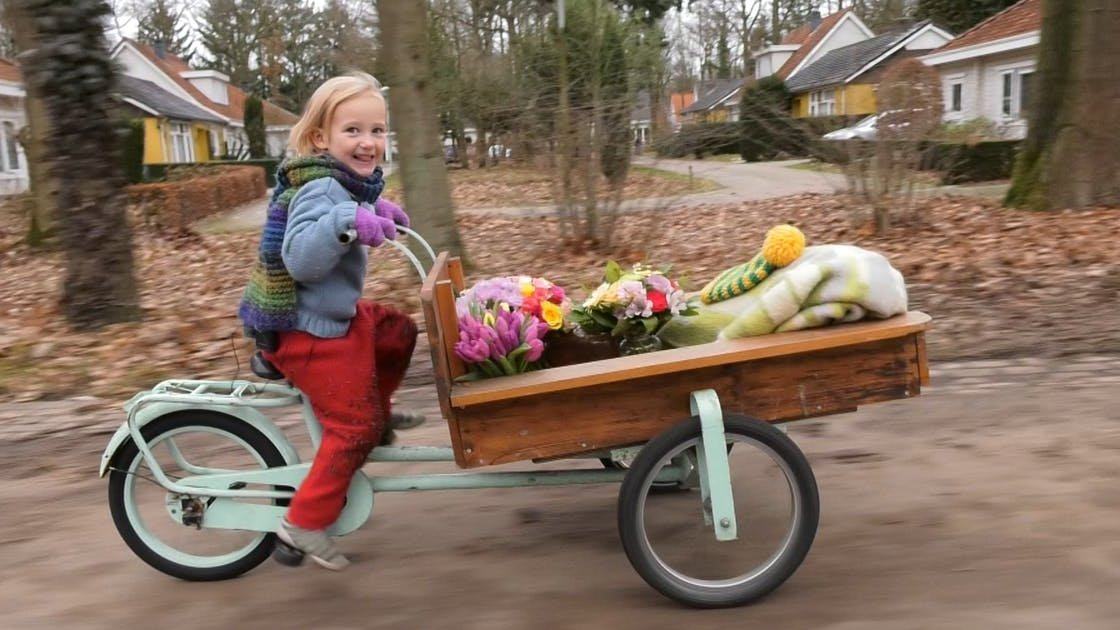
x=997 y=282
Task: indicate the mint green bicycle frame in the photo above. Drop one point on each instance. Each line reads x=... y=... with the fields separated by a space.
x=245 y=400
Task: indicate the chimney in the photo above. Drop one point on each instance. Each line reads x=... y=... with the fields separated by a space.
x=161 y=49
x=814 y=19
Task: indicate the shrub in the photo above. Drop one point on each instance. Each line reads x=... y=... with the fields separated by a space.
x=163 y=172
x=700 y=139
x=979 y=162
x=174 y=205
x=132 y=150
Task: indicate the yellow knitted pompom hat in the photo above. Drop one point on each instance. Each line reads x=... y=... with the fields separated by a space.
x=783 y=245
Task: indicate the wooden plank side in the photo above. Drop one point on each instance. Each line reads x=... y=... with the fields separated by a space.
x=684 y=359
x=607 y=415
x=440 y=366
x=923 y=359
x=455 y=274
x=449 y=327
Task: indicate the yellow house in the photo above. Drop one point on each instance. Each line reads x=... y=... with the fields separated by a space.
x=844 y=81
x=175 y=131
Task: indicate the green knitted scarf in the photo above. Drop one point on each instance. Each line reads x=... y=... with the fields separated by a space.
x=269 y=301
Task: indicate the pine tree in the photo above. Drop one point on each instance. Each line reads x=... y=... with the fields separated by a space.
x=616 y=102
x=959 y=15
x=162 y=23
x=230 y=32
x=254 y=126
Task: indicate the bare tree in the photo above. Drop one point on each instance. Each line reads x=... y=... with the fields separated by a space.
x=407 y=70
x=1071 y=157
x=883 y=172
x=70 y=70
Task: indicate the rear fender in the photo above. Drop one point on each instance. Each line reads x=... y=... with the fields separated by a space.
x=156 y=410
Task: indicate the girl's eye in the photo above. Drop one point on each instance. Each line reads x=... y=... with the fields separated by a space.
x=351 y=130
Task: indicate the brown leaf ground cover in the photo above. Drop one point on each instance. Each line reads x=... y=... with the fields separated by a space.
x=998 y=282
x=494 y=186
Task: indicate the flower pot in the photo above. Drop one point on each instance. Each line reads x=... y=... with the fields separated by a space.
x=639 y=342
x=578 y=346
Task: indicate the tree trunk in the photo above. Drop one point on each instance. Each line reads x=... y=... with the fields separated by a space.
x=427 y=193
x=1071 y=157
x=70 y=68
x=40 y=205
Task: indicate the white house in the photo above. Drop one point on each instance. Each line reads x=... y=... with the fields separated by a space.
x=13 y=163
x=988 y=71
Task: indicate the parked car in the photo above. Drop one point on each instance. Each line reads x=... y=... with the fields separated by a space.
x=863 y=130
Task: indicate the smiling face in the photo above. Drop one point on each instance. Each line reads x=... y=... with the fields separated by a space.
x=356 y=133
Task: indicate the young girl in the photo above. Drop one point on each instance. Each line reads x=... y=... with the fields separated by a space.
x=345 y=354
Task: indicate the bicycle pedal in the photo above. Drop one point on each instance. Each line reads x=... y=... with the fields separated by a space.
x=287 y=555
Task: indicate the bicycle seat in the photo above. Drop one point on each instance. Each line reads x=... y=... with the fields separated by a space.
x=262 y=368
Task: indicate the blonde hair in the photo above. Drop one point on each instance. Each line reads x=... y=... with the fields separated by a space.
x=320 y=107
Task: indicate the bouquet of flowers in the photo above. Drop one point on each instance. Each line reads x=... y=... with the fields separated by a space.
x=503 y=322
x=638 y=301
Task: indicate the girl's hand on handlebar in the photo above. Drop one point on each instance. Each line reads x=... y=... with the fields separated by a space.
x=389 y=210
x=372 y=229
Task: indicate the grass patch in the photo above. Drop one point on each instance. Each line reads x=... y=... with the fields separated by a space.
x=818 y=166
x=699 y=184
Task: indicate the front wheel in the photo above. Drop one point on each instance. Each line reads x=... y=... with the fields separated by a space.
x=671 y=546
x=151 y=520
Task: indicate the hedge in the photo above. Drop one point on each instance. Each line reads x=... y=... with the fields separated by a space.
x=700 y=139
x=158 y=172
x=175 y=205
x=979 y=162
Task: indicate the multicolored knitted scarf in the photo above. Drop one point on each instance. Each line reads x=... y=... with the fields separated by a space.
x=269 y=301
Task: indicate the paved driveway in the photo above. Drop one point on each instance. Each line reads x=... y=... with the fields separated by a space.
x=751 y=181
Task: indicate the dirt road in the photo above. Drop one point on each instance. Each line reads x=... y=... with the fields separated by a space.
x=989 y=502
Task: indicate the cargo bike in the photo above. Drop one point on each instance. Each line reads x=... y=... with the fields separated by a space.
x=717 y=505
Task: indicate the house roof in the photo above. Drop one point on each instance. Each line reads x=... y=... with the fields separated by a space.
x=810 y=42
x=1018 y=19
x=798 y=35
x=10 y=72
x=164 y=103
x=173 y=66
x=714 y=95
x=838 y=65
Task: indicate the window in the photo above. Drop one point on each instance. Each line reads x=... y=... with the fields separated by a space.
x=182 y=146
x=1026 y=93
x=1006 y=100
x=9 y=161
x=1017 y=92
x=956 y=92
x=822 y=103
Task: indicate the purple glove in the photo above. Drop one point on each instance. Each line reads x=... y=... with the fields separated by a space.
x=372 y=229
x=389 y=210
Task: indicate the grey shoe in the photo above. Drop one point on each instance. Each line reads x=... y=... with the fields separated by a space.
x=400 y=420
x=295 y=542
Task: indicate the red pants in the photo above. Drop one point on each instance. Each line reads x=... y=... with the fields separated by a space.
x=348 y=381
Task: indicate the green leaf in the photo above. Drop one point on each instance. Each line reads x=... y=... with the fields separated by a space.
x=613 y=271
x=606 y=321
x=651 y=324
x=621 y=327
x=473 y=375
x=490 y=369
x=507 y=367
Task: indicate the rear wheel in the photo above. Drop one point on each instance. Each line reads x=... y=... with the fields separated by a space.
x=776 y=509
x=150 y=519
